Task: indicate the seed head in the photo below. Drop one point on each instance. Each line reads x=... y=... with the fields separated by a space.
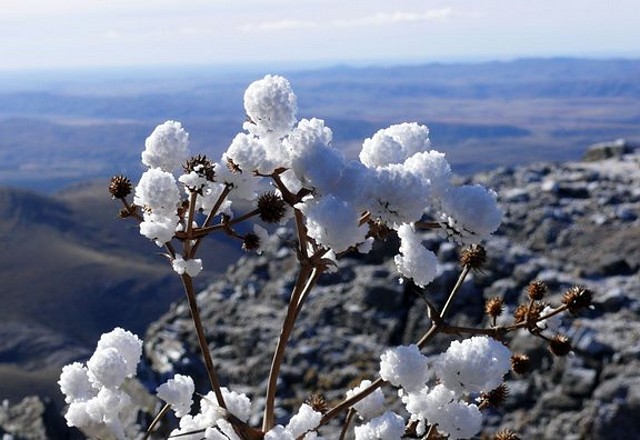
x=536 y=290
x=497 y=396
x=520 y=363
x=201 y=165
x=250 y=242
x=560 y=345
x=506 y=434
x=272 y=207
x=120 y=187
x=318 y=403
x=577 y=298
x=493 y=307
x=520 y=313
x=474 y=257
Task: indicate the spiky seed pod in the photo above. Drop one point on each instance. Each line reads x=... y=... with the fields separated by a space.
x=494 y=307
x=577 y=298
x=318 y=403
x=520 y=363
x=560 y=345
x=272 y=207
x=506 y=434
x=127 y=212
x=250 y=242
x=201 y=165
x=536 y=290
x=520 y=313
x=233 y=167
x=497 y=396
x=120 y=187
x=474 y=257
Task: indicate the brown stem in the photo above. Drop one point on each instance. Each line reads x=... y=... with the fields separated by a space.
x=350 y=414
x=202 y=340
x=189 y=226
x=454 y=291
x=304 y=276
x=214 y=211
x=346 y=403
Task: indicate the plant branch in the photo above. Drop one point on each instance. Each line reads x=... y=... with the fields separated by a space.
x=202 y=340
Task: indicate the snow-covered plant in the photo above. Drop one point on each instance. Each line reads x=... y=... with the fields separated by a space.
x=291 y=173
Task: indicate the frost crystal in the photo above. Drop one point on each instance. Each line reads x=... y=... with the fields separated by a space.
x=306 y=420
x=191 y=267
x=107 y=368
x=473 y=365
x=472 y=212
x=237 y=404
x=178 y=393
x=157 y=192
x=271 y=105
x=389 y=426
x=167 y=147
x=405 y=367
x=395 y=144
x=372 y=405
x=126 y=343
x=415 y=261
x=333 y=223
x=74 y=383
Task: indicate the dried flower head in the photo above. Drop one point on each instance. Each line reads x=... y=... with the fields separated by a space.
x=201 y=165
x=536 y=290
x=506 y=434
x=560 y=345
x=120 y=187
x=497 y=396
x=272 y=207
x=577 y=298
x=250 y=242
x=520 y=363
x=474 y=257
x=520 y=313
x=494 y=307
x=318 y=403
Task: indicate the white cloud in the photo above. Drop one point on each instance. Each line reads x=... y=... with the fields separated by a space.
x=279 y=25
x=379 y=19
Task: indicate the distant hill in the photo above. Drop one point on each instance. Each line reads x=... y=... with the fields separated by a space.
x=482 y=115
x=71 y=271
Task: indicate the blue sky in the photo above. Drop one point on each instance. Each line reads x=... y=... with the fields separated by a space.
x=70 y=33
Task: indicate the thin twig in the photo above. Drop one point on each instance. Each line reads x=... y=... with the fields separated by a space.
x=156 y=420
x=350 y=414
x=202 y=340
x=214 y=211
x=454 y=291
x=278 y=356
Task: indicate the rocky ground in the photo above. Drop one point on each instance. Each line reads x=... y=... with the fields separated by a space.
x=566 y=224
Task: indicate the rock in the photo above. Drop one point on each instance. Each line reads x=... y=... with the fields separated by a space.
x=607 y=150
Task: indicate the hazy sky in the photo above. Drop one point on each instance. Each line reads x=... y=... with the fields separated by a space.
x=67 y=33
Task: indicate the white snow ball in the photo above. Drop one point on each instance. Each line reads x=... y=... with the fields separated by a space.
x=396 y=195
x=107 y=405
x=472 y=211
x=473 y=365
x=405 y=367
x=167 y=147
x=159 y=228
x=433 y=166
x=178 y=392
x=395 y=144
x=213 y=434
x=278 y=432
x=271 y=105
x=372 y=405
x=191 y=267
x=74 y=383
x=315 y=163
x=238 y=404
x=333 y=223
x=157 y=192
x=305 y=420
x=414 y=260
x=128 y=345
x=107 y=368
x=76 y=414
x=249 y=154
x=388 y=426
